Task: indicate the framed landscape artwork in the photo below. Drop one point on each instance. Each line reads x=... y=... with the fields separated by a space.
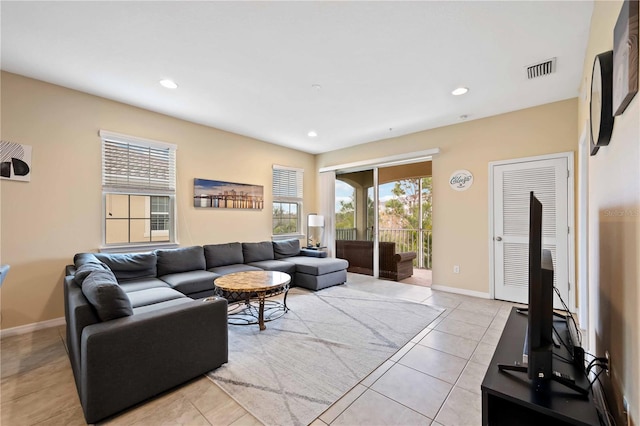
x=217 y=194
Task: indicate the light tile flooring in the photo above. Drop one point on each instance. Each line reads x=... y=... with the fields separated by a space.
x=434 y=379
x=421 y=277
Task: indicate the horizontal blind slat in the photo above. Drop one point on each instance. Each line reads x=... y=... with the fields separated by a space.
x=287 y=184
x=136 y=166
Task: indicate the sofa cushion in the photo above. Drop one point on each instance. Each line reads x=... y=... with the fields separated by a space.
x=129 y=266
x=191 y=282
x=161 y=305
x=318 y=266
x=172 y=261
x=142 y=284
x=86 y=265
x=255 y=252
x=151 y=296
x=286 y=248
x=203 y=294
x=275 y=265
x=318 y=282
x=105 y=295
x=232 y=269
x=223 y=254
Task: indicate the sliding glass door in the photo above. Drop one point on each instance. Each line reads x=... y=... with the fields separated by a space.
x=356 y=220
x=380 y=212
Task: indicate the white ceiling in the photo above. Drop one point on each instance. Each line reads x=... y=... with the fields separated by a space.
x=386 y=68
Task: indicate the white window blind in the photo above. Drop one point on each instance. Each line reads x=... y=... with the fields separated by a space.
x=287 y=202
x=287 y=184
x=132 y=165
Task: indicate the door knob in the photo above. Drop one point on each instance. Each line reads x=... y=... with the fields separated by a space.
x=498 y=238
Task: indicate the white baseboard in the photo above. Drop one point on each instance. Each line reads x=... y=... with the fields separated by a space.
x=456 y=290
x=30 y=328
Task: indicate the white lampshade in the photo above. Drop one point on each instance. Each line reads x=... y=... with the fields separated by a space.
x=316 y=220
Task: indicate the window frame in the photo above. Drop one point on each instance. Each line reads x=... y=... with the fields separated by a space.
x=121 y=185
x=291 y=193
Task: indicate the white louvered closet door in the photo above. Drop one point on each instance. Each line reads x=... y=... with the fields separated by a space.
x=512 y=183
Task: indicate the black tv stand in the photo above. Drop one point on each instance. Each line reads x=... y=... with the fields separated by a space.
x=512 y=399
x=556 y=376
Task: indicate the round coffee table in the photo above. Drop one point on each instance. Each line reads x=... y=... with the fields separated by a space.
x=246 y=293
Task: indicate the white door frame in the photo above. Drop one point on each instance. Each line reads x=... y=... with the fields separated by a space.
x=587 y=308
x=570 y=222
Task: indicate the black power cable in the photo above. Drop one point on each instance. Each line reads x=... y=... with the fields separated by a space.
x=566 y=308
x=597 y=360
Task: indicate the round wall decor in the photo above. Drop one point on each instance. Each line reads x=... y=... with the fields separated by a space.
x=461 y=180
x=601 y=104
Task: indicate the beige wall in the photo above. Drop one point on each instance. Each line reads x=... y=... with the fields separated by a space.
x=460 y=219
x=614 y=230
x=46 y=221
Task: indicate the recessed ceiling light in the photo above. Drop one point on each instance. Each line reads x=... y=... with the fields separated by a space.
x=169 y=84
x=460 y=91
x=312 y=134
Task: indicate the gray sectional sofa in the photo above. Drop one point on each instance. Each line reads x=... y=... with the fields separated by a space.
x=139 y=324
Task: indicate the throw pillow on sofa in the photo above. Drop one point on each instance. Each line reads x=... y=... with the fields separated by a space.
x=86 y=269
x=105 y=295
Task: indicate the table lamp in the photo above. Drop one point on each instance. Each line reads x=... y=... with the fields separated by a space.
x=314 y=221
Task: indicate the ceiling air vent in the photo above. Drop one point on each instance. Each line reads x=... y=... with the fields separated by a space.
x=542 y=68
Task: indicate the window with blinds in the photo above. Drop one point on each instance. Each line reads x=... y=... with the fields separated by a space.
x=139 y=184
x=287 y=201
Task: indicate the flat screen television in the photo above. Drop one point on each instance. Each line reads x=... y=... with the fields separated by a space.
x=538 y=343
x=538 y=352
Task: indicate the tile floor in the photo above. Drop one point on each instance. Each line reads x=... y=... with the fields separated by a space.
x=434 y=379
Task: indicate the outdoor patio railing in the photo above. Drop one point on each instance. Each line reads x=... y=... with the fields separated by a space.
x=416 y=240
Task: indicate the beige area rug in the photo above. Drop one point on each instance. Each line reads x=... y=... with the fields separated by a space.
x=303 y=362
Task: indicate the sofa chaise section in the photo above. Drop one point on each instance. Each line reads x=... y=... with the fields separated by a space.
x=314 y=273
x=317 y=273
